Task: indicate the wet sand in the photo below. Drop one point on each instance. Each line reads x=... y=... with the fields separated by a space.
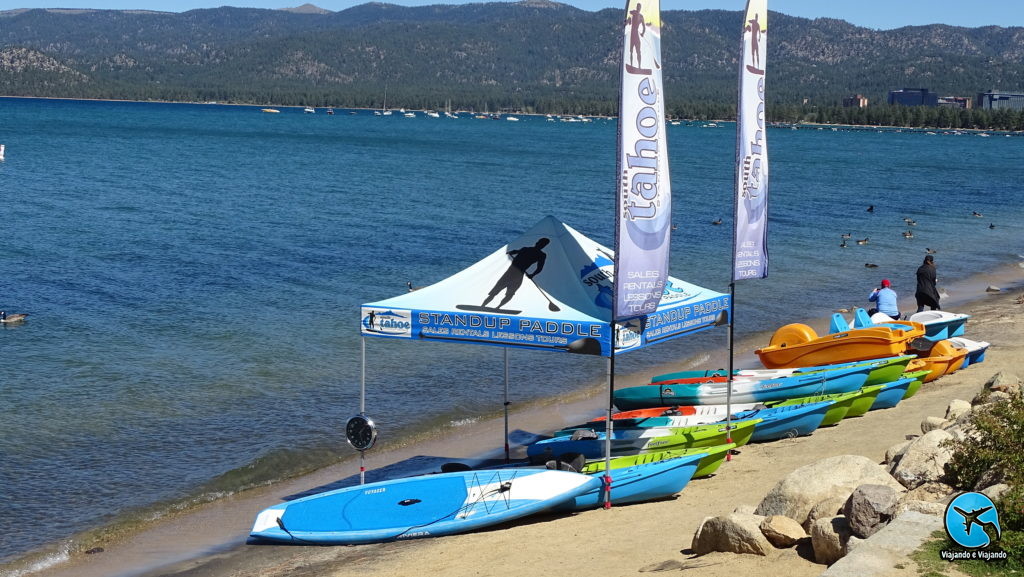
x=211 y=540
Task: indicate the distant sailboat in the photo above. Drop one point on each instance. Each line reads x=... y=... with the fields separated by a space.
x=384 y=109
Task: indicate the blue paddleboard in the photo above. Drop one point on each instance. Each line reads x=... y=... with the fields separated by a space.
x=414 y=507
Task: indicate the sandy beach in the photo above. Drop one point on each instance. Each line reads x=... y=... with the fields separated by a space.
x=210 y=541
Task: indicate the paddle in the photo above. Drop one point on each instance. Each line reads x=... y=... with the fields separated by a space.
x=551 y=304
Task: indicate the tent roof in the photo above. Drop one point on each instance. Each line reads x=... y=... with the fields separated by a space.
x=566 y=306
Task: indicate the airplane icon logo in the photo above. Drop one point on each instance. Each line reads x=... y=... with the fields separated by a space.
x=972 y=521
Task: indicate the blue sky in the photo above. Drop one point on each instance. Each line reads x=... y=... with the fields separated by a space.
x=879 y=14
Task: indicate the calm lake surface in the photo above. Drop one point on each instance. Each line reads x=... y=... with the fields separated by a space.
x=194 y=274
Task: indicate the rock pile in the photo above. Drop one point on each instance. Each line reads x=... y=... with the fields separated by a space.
x=839 y=502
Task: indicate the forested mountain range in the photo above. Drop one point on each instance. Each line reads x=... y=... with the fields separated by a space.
x=533 y=55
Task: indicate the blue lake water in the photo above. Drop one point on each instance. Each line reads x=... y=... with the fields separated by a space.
x=193 y=274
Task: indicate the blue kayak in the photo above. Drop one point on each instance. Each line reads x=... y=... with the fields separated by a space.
x=841 y=380
x=891 y=394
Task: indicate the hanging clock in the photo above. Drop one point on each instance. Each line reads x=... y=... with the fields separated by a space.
x=361 y=432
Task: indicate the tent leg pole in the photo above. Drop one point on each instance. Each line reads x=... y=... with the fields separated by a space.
x=362 y=403
x=609 y=426
x=728 y=390
x=507 y=452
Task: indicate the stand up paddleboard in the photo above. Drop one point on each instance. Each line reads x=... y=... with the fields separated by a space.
x=415 y=507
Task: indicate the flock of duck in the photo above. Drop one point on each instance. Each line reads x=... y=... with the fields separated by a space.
x=908 y=234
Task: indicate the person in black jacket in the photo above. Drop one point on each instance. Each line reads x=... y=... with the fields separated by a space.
x=927 y=294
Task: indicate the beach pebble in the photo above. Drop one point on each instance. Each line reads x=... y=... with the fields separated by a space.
x=94 y=550
x=782 y=531
x=993 y=289
x=828 y=539
x=869 y=508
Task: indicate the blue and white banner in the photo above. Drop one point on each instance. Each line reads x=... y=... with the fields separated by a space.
x=643 y=213
x=751 y=223
x=550 y=288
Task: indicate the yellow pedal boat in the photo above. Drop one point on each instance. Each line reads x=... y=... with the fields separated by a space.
x=798 y=345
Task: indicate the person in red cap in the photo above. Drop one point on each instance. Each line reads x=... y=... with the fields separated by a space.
x=886 y=299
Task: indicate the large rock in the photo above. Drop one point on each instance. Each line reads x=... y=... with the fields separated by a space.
x=1003 y=382
x=932 y=491
x=956 y=409
x=834 y=477
x=890 y=547
x=893 y=453
x=869 y=508
x=829 y=538
x=782 y=531
x=924 y=460
x=929 y=424
x=732 y=533
x=923 y=507
x=826 y=509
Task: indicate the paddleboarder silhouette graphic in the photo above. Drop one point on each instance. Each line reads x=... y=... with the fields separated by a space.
x=522 y=260
x=755 y=28
x=637 y=28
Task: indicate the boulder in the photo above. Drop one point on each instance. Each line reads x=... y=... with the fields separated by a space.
x=835 y=477
x=924 y=460
x=995 y=492
x=732 y=533
x=994 y=475
x=932 y=491
x=826 y=509
x=893 y=453
x=782 y=531
x=923 y=507
x=930 y=424
x=1004 y=382
x=869 y=508
x=829 y=538
x=956 y=409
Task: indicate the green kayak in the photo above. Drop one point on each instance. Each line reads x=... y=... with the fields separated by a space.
x=862 y=404
x=915 y=386
x=708 y=465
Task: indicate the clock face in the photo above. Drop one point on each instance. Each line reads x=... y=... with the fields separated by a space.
x=361 y=432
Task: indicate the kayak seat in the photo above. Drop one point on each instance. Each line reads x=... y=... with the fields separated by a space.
x=567 y=462
x=582 y=434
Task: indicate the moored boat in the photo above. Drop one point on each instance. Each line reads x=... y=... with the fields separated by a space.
x=713 y=390
x=837 y=411
x=862 y=403
x=713 y=458
x=975 y=350
x=943 y=359
x=635 y=441
x=914 y=385
x=792 y=420
x=642 y=481
x=891 y=394
x=883 y=370
x=798 y=345
x=938 y=325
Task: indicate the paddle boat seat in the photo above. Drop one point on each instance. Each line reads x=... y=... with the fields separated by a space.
x=838 y=324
